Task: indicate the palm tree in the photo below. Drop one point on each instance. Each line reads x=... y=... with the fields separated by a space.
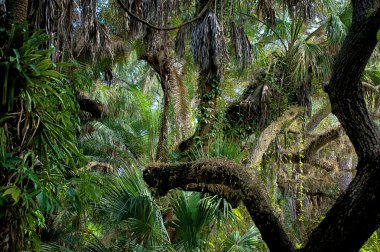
x=127 y=199
x=249 y=241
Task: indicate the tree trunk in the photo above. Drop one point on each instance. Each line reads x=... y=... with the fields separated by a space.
x=11 y=234
x=356 y=214
x=162 y=146
x=158 y=60
x=17 y=11
x=208 y=84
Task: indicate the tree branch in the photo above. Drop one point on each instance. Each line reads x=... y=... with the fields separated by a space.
x=308 y=154
x=318 y=117
x=321 y=140
x=164 y=177
x=205 y=8
x=370 y=87
x=326 y=109
x=269 y=134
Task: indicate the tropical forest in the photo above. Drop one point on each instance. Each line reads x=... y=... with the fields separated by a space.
x=190 y=125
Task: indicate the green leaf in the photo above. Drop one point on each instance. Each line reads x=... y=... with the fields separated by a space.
x=378 y=35
x=14 y=191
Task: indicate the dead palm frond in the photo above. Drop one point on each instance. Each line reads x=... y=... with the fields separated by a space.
x=241 y=44
x=253 y=108
x=182 y=35
x=207 y=42
x=304 y=8
x=266 y=11
x=94 y=38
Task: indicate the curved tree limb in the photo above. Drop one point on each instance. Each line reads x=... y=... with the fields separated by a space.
x=356 y=214
x=369 y=87
x=205 y=8
x=327 y=165
x=318 y=117
x=321 y=140
x=164 y=177
x=308 y=154
x=270 y=133
x=326 y=109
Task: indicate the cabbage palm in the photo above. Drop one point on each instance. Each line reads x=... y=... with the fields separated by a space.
x=128 y=129
x=192 y=215
x=128 y=200
x=249 y=241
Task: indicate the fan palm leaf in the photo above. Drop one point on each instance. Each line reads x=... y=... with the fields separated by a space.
x=250 y=241
x=126 y=198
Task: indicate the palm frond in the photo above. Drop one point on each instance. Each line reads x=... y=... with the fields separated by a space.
x=250 y=241
x=308 y=61
x=207 y=42
x=336 y=30
x=52 y=247
x=128 y=199
x=192 y=214
x=242 y=46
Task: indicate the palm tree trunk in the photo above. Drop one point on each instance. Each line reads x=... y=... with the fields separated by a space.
x=162 y=146
x=160 y=62
x=17 y=11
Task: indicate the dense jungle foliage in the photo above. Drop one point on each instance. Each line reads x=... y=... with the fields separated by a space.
x=198 y=125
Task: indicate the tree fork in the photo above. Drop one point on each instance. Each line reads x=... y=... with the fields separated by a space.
x=356 y=214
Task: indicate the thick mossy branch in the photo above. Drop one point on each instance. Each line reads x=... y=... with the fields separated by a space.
x=309 y=153
x=322 y=139
x=164 y=177
x=270 y=133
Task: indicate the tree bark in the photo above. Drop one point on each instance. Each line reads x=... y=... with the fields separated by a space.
x=356 y=214
x=269 y=134
x=318 y=117
x=17 y=11
x=159 y=61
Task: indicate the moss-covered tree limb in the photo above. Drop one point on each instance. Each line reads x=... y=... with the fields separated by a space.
x=164 y=177
x=321 y=114
x=270 y=133
x=17 y=11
